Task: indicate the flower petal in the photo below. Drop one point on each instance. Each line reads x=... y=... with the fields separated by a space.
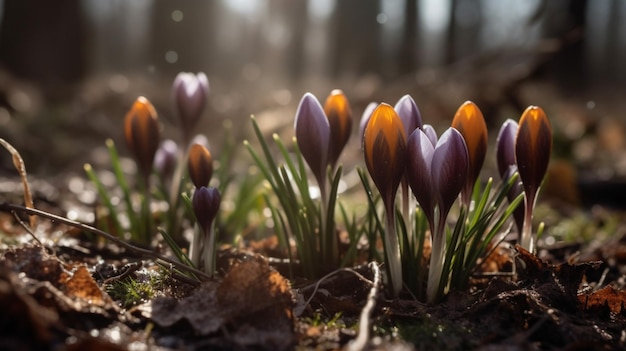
x=200 y=165
x=385 y=150
x=469 y=121
x=505 y=146
x=339 y=114
x=409 y=114
x=450 y=168
x=533 y=146
x=420 y=153
x=141 y=131
x=430 y=133
x=312 y=131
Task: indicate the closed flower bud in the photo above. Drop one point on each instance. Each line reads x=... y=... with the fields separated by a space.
x=141 y=131
x=312 y=131
x=206 y=204
x=339 y=114
x=533 y=147
x=469 y=121
x=166 y=157
x=190 y=93
x=200 y=165
x=385 y=150
x=505 y=146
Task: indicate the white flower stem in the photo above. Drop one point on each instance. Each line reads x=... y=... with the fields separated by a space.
x=392 y=248
x=436 y=257
x=527 y=240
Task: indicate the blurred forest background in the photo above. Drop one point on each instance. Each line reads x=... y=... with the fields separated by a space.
x=70 y=69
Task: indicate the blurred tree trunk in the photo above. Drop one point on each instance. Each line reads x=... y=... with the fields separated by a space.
x=356 y=42
x=42 y=41
x=408 y=49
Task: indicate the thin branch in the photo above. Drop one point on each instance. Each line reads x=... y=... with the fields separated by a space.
x=363 y=336
x=140 y=251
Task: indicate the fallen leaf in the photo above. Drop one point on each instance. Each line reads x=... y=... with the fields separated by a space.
x=608 y=296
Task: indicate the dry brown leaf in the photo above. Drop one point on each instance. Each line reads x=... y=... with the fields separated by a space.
x=253 y=304
x=614 y=299
x=81 y=285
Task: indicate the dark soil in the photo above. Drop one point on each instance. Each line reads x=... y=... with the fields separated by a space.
x=60 y=297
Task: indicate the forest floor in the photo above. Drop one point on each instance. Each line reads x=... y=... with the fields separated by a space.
x=70 y=289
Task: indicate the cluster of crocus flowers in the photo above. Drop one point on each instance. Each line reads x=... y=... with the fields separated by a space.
x=525 y=147
x=398 y=146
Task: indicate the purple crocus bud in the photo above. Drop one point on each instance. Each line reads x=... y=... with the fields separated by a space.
x=165 y=158
x=190 y=93
x=206 y=203
x=420 y=152
x=312 y=131
x=430 y=133
x=367 y=113
x=409 y=114
x=450 y=168
x=505 y=147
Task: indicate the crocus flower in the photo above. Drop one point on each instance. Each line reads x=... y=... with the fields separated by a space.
x=411 y=119
x=505 y=146
x=437 y=175
x=200 y=165
x=165 y=158
x=141 y=131
x=384 y=145
x=312 y=131
x=469 y=121
x=190 y=93
x=365 y=117
x=339 y=114
x=409 y=114
x=206 y=204
x=533 y=146
x=505 y=157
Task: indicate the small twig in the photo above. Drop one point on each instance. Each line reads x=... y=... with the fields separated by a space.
x=363 y=336
x=317 y=284
x=141 y=251
x=27 y=229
